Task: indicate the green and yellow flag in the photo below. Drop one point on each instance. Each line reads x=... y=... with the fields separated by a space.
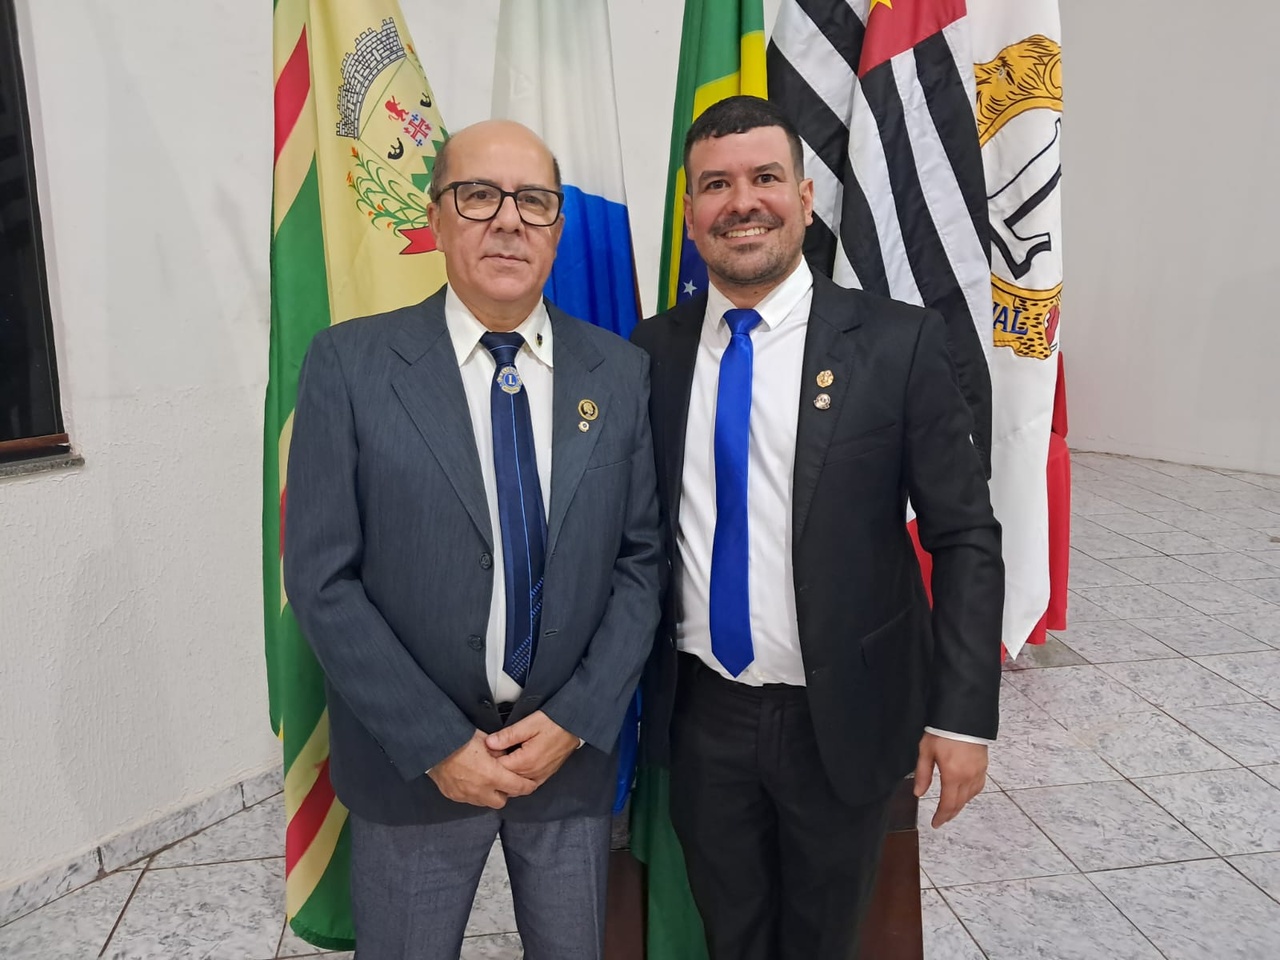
x=721 y=55
x=356 y=133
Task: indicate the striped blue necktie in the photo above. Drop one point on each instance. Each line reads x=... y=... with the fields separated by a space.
x=520 y=510
x=730 y=596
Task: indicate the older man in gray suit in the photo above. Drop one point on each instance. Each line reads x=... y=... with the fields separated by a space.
x=474 y=556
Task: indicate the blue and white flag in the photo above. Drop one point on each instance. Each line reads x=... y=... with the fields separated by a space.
x=554 y=74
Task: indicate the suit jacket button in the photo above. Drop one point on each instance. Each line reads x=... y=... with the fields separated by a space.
x=486 y=561
x=475 y=643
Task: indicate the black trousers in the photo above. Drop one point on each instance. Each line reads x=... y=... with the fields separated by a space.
x=780 y=867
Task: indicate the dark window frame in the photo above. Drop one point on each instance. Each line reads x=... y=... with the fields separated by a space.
x=31 y=421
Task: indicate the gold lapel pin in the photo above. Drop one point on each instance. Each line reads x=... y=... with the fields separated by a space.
x=822 y=401
x=584 y=426
x=826 y=378
x=588 y=410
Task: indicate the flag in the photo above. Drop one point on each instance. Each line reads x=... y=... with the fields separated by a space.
x=936 y=182
x=882 y=93
x=1018 y=57
x=721 y=55
x=554 y=74
x=356 y=131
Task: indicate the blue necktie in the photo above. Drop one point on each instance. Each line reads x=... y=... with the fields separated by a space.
x=730 y=598
x=520 y=511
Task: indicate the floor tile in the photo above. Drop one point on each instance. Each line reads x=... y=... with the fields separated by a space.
x=1199 y=522
x=1108 y=641
x=1085 y=692
x=1229 y=566
x=1105 y=545
x=1159 y=570
x=1212 y=598
x=493 y=911
x=1247 y=732
x=1268 y=589
x=255 y=834
x=1263 y=869
x=264 y=785
x=1242 y=539
x=1233 y=811
x=35 y=892
x=1181 y=683
x=1053 y=918
x=1102 y=826
x=1149 y=744
x=494 y=946
x=945 y=937
x=1015 y=707
x=1088 y=572
x=1179 y=543
x=990 y=840
x=134 y=844
x=1202 y=910
x=72 y=928
x=1269 y=772
x=1139 y=601
x=1262 y=625
x=1084 y=503
x=1199 y=635
x=1258 y=673
x=224 y=911
x=1130 y=521
x=1044 y=754
x=1052 y=653
x=1081 y=610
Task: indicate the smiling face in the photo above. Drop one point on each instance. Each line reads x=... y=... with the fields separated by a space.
x=746 y=210
x=497 y=267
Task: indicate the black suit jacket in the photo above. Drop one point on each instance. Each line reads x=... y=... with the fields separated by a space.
x=388 y=563
x=879 y=665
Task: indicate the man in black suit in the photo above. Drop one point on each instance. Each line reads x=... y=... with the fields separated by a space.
x=798 y=677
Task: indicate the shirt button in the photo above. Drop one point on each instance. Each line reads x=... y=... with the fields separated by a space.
x=475 y=643
x=486 y=561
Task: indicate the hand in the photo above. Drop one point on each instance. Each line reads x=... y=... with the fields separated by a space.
x=962 y=767
x=534 y=747
x=472 y=774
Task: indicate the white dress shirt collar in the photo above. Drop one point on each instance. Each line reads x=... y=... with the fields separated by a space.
x=777 y=305
x=465 y=330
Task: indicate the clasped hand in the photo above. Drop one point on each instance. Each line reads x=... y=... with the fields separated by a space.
x=488 y=770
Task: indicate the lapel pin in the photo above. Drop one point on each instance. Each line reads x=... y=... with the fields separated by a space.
x=539 y=339
x=588 y=410
x=826 y=378
x=584 y=426
x=822 y=401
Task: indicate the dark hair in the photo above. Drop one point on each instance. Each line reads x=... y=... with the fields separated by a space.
x=738 y=115
x=440 y=173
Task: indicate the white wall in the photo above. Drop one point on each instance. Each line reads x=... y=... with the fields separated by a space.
x=1171 y=151
x=130 y=635
x=131 y=677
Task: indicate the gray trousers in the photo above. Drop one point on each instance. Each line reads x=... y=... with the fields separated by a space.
x=412 y=887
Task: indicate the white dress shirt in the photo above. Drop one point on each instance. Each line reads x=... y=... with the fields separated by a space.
x=778 y=360
x=477 y=366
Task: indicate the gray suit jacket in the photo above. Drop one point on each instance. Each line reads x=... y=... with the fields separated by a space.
x=388 y=563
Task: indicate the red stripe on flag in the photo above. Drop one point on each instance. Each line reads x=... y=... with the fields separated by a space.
x=894 y=30
x=306 y=823
x=291 y=91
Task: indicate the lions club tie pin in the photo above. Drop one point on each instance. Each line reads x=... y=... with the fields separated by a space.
x=509 y=380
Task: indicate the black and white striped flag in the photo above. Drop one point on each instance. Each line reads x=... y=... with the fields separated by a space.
x=882 y=93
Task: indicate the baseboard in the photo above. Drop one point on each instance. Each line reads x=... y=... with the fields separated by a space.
x=135 y=844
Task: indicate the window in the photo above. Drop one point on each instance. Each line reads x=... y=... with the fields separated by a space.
x=30 y=410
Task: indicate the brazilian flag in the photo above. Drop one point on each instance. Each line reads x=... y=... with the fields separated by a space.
x=721 y=55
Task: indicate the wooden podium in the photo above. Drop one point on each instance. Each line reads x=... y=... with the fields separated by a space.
x=893 y=929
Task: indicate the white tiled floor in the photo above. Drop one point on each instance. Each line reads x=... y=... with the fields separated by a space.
x=1134 y=804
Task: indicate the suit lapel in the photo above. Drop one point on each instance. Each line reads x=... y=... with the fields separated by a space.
x=578 y=376
x=430 y=388
x=828 y=346
x=671 y=376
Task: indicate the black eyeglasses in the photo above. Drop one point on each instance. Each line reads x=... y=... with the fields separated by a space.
x=477 y=200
